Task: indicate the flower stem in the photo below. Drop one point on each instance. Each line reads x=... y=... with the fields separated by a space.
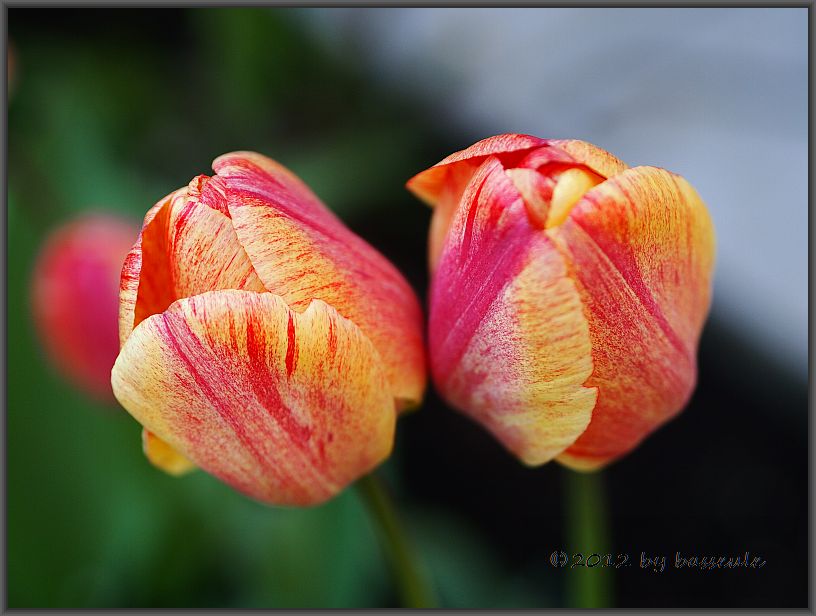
x=409 y=576
x=587 y=534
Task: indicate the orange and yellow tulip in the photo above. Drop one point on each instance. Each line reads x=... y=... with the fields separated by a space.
x=261 y=339
x=568 y=294
x=74 y=288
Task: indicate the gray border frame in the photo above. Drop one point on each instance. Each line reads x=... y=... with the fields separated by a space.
x=6 y=4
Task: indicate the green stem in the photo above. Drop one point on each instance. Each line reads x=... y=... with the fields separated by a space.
x=407 y=571
x=587 y=534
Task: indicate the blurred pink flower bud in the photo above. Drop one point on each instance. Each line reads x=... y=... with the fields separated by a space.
x=74 y=292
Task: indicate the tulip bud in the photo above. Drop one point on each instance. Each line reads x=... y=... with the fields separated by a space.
x=74 y=292
x=568 y=294
x=261 y=339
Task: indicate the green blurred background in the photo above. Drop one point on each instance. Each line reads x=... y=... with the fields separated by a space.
x=110 y=110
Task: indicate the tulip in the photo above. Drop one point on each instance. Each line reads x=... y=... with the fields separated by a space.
x=567 y=297
x=74 y=291
x=261 y=339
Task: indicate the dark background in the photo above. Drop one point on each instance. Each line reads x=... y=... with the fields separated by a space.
x=112 y=109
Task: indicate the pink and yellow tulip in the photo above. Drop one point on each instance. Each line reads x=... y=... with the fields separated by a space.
x=74 y=288
x=568 y=294
x=261 y=339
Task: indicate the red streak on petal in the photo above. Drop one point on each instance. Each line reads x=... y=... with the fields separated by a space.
x=291 y=346
x=214 y=194
x=192 y=347
x=470 y=218
x=547 y=155
x=623 y=259
x=332 y=347
x=468 y=282
x=264 y=381
x=250 y=422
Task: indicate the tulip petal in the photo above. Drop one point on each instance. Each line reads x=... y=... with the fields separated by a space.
x=547 y=155
x=286 y=407
x=203 y=250
x=551 y=192
x=430 y=184
x=641 y=247
x=131 y=273
x=600 y=161
x=433 y=184
x=536 y=191
x=163 y=456
x=187 y=247
x=509 y=343
x=301 y=252
x=442 y=185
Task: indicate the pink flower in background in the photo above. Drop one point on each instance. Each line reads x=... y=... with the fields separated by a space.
x=568 y=294
x=74 y=295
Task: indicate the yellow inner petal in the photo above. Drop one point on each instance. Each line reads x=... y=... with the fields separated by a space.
x=571 y=186
x=163 y=456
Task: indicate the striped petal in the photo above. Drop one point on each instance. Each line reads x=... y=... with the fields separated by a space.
x=509 y=343
x=598 y=160
x=286 y=407
x=187 y=246
x=431 y=184
x=301 y=252
x=641 y=247
x=131 y=273
x=442 y=185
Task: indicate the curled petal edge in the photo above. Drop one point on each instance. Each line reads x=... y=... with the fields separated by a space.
x=286 y=407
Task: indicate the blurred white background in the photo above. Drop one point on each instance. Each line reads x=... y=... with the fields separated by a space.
x=717 y=95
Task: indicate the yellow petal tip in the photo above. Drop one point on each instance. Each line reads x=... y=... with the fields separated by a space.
x=572 y=185
x=163 y=456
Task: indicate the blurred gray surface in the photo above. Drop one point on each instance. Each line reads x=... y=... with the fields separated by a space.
x=717 y=95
